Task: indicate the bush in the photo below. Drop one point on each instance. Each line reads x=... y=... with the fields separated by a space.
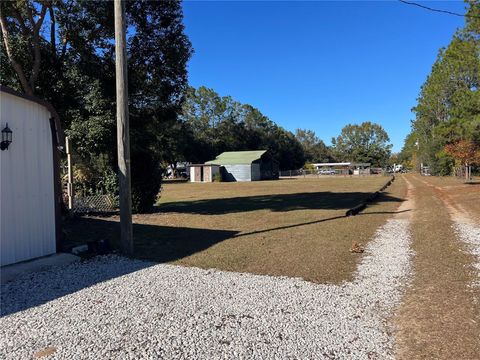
x=443 y=164
x=218 y=177
x=146 y=181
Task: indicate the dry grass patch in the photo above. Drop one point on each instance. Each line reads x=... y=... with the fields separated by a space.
x=466 y=196
x=292 y=227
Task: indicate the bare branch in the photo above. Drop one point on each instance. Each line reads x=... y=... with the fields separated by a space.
x=52 y=29
x=36 y=44
x=25 y=30
x=18 y=16
x=41 y=17
x=65 y=38
x=16 y=66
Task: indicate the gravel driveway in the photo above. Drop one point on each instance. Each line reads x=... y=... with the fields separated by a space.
x=163 y=311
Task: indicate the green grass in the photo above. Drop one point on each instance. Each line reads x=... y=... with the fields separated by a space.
x=287 y=227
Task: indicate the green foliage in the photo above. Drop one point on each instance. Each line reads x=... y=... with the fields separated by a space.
x=215 y=124
x=77 y=75
x=408 y=154
x=448 y=107
x=367 y=142
x=314 y=148
x=218 y=177
x=146 y=181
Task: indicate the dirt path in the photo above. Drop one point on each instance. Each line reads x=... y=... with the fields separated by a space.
x=440 y=315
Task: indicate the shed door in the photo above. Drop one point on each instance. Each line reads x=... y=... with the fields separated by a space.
x=207 y=174
x=198 y=173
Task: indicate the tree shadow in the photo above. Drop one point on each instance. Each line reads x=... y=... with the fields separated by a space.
x=256 y=232
x=277 y=203
x=160 y=243
x=153 y=242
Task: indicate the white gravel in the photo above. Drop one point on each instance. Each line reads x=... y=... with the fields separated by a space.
x=470 y=235
x=164 y=311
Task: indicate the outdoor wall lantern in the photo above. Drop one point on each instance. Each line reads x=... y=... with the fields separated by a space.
x=6 y=138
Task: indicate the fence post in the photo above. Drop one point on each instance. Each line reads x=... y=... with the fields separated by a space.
x=70 y=174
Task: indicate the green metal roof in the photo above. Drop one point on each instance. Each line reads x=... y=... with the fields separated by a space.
x=237 y=157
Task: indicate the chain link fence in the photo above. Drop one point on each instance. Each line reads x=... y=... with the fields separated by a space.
x=95 y=204
x=91 y=196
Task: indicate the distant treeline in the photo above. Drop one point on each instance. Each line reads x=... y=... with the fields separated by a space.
x=211 y=124
x=63 y=52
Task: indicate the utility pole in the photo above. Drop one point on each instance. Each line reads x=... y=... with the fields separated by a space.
x=123 y=131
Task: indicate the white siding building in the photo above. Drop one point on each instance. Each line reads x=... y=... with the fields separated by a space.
x=29 y=194
x=246 y=165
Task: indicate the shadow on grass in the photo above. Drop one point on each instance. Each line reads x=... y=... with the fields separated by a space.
x=168 y=243
x=153 y=242
x=160 y=243
x=316 y=222
x=278 y=203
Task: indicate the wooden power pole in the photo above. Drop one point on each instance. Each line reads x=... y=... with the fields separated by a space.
x=123 y=131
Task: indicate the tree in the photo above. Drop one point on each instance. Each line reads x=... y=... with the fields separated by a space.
x=314 y=148
x=76 y=74
x=27 y=20
x=219 y=123
x=367 y=142
x=465 y=152
x=448 y=106
x=408 y=156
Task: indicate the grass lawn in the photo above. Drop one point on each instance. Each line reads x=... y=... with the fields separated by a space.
x=291 y=227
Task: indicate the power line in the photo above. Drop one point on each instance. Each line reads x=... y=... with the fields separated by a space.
x=439 y=10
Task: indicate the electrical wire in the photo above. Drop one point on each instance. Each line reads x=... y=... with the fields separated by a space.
x=439 y=10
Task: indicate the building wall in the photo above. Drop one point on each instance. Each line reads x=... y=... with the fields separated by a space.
x=215 y=171
x=207 y=174
x=256 y=174
x=237 y=172
x=196 y=174
x=27 y=210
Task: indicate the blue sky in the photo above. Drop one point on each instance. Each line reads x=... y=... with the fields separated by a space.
x=320 y=65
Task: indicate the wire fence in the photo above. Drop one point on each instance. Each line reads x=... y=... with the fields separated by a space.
x=91 y=196
x=88 y=187
x=309 y=173
x=95 y=204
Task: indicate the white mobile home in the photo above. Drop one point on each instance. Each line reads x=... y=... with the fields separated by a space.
x=29 y=186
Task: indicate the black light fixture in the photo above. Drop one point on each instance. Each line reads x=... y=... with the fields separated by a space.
x=6 y=138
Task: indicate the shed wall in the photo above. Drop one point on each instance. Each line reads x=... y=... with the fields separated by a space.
x=237 y=172
x=215 y=171
x=27 y=210
x=256 y=174
x=192 y=174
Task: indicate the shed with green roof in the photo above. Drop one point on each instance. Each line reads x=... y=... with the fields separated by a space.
x=246 y=165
